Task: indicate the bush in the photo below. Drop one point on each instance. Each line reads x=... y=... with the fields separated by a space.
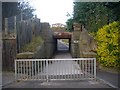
x=107 y=41
x=32 y=46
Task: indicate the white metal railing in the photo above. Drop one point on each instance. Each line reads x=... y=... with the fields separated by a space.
x=55 y=69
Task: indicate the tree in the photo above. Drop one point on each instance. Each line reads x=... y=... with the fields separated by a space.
x=26 y=10
x=9 y=9
x=115 y=7
x=94 y=15
x=69 y=25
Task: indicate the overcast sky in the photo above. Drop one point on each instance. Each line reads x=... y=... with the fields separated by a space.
x=53 y=11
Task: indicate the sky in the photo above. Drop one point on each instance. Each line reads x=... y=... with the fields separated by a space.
x=53 y=11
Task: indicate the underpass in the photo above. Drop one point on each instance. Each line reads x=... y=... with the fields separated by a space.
x=60 y=84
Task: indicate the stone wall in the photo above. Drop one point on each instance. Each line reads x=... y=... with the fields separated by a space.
x=75 y=40
x=87 y=44
x=46 y=49
x=83 y=45
x=39 y=54
x=49 y=42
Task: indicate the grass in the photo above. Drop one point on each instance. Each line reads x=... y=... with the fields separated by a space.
x=24 y=55
x=32 y=46
x=65 y=40
x=108 y=69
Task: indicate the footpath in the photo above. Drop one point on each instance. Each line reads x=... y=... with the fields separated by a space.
x=104 y=79
x=110 y=78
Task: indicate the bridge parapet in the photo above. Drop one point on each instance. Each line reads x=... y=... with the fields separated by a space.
x=62 y=35
x=49 y=43
x=83 y=45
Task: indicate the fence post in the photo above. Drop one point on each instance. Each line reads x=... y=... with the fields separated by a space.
x=6 y=25
x=15 y=25
x=33 y=27
x=21 y=17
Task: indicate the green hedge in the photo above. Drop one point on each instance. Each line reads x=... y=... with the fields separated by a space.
x=107 y=40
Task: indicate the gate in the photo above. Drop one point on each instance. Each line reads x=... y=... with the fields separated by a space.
x=55 y=69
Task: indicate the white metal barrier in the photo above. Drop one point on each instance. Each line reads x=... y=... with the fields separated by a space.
x=55 y=69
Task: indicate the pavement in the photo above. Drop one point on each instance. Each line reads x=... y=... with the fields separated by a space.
x=104 y=79
x=0 y=80
x=7 y=78
x=59 y=84
x=109 y=78
x=62 y=46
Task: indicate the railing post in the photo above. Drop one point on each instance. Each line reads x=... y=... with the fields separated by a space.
x=95 y=68
x=47 y=69
x=15 y=70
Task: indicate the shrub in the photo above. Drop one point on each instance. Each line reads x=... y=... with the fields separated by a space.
x=32 y=46
x=107 y=40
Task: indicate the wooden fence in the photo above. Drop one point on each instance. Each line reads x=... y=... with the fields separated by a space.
x=26 y=30
x=16 y=34
x=8 y=54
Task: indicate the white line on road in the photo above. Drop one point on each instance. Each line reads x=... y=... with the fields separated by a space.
x=108 y=83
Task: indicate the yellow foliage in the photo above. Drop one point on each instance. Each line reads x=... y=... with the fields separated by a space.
x=107 y=40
